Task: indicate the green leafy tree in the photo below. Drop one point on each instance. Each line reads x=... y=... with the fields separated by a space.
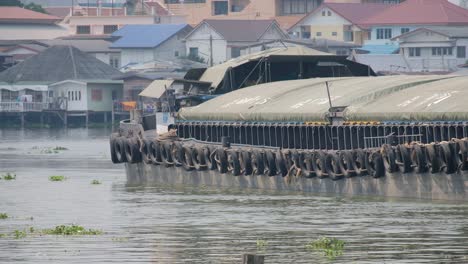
x=10 y=3
x=30 y=6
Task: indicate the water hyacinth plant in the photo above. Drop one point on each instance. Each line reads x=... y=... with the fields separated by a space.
x=3 y=216
x=9 y=176
x=95 y=182
x=71 y=230
x=57 y=178
x=328 y=247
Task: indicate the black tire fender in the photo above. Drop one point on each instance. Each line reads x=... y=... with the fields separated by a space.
x=245 y=161
x=270 y=163
x=448 y=161
x=375 y=165
x=113 y=153
x=346 y=163
x=319 y=162
x=166 y=153
x=145 y=151
x=209 y=153
x=221 y=160
x=403 y=158
x=155 y=152
x=305 y=161
x=258 y=162
x=433 y=157
x=388 y=156
x=419 y=158
x=177 y=152
x=132 y=150
x=333 y=166
x=280 y=162
x=198 y=158
x=233 y=162
x=359 y=157
x=119 y=147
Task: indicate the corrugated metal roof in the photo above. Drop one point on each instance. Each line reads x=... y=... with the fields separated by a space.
x=383 y=62
x=157 y=88
x=388 y=98
x=241 y=30
x=15 y=14
x=145 y=36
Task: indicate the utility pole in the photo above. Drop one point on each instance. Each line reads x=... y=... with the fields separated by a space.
x=211 y=50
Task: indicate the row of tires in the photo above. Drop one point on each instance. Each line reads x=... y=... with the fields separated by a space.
x=448 y=157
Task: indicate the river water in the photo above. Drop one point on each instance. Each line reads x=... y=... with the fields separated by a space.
x=198 y=225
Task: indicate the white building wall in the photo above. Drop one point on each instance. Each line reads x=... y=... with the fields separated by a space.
x=136 y=56
x=167 y=50
x=201 y=39
x=396 y=31
x=74 y=103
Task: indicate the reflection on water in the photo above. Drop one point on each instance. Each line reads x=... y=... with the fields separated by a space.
x=198 y=225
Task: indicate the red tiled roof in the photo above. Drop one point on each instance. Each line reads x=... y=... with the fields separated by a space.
x=12 y=14
x=355 y=13
x=158 y=8
x=421 y=12
x=58 y=11
x=286 y=22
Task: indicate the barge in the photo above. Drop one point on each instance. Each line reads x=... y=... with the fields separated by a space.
x=393 y=136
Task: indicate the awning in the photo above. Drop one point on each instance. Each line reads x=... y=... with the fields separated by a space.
x=15 y=88
x=157 y=88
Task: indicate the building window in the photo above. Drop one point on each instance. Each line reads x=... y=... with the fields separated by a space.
x=114 y=60
x=323 y=13
x=305 y=32
x=184 y=1
x=318 y=34
x=79 y=95
x=334 y=33
x=83 y=30
x=348 y=36
x=193 y=52
x=109 y=29
x=114 y=95
x=235 y=52
x=384 y=33
x=329 y=13
x=176 y=53
x=69 y=96
x=461 y=52
x=415 y=52
x=220 y=8
x=442 y=51
x=96 y=95
x=291 y=7
x=404 y=30
x=341 y=52
x=9 y=96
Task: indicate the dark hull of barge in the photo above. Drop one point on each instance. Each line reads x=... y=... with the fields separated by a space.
x=439 y=186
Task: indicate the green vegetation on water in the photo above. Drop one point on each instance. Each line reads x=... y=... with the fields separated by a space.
x=72 y=230
x=57 y=178
x=95 y=182
x=3 y=216
x=59 y=148
x=328 y=247
x=8 y=176
x=18 y=234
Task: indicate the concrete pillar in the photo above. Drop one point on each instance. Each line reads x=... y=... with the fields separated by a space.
x=87 y=118
x=105 y=117
x=22 y=116
x=65 y=118
x=41 y=119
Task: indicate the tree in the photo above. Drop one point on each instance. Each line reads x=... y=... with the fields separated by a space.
x=11 y=3
x=30 y=6
x=35 y=7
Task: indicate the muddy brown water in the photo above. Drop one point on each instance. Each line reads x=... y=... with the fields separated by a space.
x=163 y=224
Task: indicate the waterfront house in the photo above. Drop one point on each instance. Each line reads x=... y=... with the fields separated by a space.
x=407 y=16
x=62 y=79
x=215 y=41
x=285 y=12
x=145 y=43
x=17 y=23
x=337 y=21
x=434 y=48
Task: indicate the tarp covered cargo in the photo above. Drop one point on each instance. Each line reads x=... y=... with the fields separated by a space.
x=388 y=98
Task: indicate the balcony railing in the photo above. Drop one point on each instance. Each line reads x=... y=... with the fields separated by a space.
x=22 y=107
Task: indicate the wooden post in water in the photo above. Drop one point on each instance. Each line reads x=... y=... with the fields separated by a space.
x=253 y=259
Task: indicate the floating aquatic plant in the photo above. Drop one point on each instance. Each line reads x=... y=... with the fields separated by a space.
x=71 y=230
x=57 y=178
x=329 y=247
x=60 y=148
x=95 y=182
x=3 y=216
x=9 y=176
x=18 y=234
